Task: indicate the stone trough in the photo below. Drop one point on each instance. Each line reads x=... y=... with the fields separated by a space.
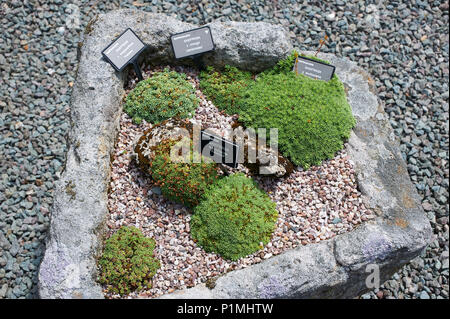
x=334 y=268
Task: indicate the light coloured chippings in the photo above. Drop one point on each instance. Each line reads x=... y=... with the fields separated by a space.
x=313 y=205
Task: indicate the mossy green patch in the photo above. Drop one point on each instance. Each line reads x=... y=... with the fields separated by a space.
x=164 y=95
x=183 y=182
x=226 y=89
x=234 y=219
x=313 y=117
x=127 y=263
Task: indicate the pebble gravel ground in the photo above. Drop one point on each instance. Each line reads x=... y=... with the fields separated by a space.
x=404 y=44
x=313 y=205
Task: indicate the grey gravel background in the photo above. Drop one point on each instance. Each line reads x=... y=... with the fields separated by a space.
x=404 y=45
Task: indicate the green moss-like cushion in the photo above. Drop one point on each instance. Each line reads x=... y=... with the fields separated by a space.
x=313 y=117
x=234 y=218
x=127 y=263
x=164 y=95
x=182 y=182
x=226 y=89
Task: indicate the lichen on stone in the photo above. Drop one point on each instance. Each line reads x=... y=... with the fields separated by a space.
x=70 y=189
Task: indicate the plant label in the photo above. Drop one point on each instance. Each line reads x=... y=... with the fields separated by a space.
x=193 y=42
x=314 y=69
x=219 y=149
x=124 y=50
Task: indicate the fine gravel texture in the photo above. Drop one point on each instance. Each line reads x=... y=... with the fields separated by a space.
x=313 y=205
x=402 y=44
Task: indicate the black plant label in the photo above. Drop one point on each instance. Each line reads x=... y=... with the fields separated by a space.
x=314 y=69
x=192 y=42
x=219 y=149
x=123 y=50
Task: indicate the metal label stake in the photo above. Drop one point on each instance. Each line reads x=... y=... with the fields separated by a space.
x=193 y=44
x=137 y=70
x=198 y=62
x=125 y=50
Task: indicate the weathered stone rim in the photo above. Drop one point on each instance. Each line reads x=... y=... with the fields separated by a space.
x=334 y=268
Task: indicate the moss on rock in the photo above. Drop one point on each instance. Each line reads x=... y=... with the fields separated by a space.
x=183 y=182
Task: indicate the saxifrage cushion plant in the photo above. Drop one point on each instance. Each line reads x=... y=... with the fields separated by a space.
x=182 y=182
x=127 y=262
x=227 y=88
x=164 y=95
x=313 y=117
x=234 y=219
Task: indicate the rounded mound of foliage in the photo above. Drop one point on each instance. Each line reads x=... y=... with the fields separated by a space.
x=313 y=117
x=162 y=96
x=183 y=182
x=127 y=263
x=234 y=219
x=225 y=88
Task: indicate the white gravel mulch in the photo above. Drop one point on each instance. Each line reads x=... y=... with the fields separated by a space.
x=313 y=205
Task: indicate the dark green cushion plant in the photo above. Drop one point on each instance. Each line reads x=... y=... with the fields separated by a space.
x=234 y=218
x=313 y=117
x=225 y=88
x=182 y=182
x=127 y=262
x=164 y=95
x=283 y=66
